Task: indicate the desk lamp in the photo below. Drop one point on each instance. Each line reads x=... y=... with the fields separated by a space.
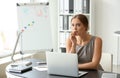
x=18 y=37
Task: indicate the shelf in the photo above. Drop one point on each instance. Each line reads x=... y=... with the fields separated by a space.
x=72 y=14
x=66 y=10
x=65 y=31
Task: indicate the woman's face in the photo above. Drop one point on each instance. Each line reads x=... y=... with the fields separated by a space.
x=77 y=27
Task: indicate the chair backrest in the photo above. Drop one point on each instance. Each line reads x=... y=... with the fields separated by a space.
x=107 y=61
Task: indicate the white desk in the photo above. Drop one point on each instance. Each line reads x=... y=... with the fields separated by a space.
x=43 y=74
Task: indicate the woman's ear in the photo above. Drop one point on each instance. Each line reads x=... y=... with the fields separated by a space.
x=86 y=28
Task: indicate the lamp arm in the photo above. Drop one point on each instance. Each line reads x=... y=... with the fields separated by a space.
x=18 y=37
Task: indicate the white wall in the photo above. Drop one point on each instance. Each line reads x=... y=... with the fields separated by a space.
x=107 y=22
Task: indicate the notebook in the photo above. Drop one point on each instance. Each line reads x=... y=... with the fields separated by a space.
x=65 y=64
x=20 y=69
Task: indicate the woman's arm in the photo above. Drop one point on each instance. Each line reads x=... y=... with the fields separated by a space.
x=71 y=44
x=96 y=56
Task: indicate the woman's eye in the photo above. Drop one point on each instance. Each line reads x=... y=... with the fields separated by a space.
x=75 y=25
x=78 y=25
x=72 y=25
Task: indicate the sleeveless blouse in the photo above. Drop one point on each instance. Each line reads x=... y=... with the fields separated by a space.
x=85 y=53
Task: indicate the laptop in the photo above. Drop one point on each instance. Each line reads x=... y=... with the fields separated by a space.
x=65 y=64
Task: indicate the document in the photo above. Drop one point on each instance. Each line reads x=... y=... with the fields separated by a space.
x=109 y=75
x=20 y=69
x=41 y=68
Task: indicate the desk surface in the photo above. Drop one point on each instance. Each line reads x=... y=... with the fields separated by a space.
x=43 y=74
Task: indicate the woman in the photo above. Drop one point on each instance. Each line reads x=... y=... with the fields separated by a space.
x=88 y=47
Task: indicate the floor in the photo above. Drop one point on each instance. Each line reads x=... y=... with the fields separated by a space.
x=116 y=68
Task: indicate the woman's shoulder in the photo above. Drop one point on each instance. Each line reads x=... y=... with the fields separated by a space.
x=98 y=39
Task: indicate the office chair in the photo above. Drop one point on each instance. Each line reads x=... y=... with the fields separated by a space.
x=107 y=61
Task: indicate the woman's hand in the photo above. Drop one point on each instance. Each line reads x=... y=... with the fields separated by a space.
x=73 y=37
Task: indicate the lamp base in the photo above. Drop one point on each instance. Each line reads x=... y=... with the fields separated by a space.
x=23 y=63
x=20 y=66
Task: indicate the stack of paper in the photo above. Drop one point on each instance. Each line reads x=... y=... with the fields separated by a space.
x=20 y=69
x=109 y=75
x=41 y=68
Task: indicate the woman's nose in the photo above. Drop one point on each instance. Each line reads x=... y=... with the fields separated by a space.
x=75 y=28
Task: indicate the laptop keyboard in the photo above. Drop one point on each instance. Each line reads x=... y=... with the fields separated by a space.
x=80 y=73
